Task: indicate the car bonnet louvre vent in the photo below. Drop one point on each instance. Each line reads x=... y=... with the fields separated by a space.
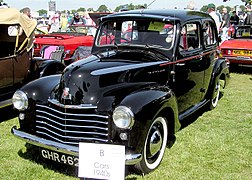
x=71 y=125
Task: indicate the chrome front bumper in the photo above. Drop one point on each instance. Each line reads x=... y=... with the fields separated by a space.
x=5 y=103
x=130 y=159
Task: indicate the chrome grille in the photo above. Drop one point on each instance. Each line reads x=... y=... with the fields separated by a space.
x=71 y=124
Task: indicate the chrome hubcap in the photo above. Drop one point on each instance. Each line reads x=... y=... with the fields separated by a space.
x=155 y=141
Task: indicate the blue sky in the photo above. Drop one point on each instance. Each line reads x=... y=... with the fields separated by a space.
x=112 y=4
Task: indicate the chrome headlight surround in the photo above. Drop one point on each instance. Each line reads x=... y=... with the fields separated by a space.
x=20 y=100
x=123 y=117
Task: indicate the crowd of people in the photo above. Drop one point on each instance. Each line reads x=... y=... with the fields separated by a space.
x=60 y=22
x=225 y=21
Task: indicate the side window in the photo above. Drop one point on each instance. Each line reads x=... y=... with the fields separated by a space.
x=209 y=34
x=107 y=34
x=189 y=37
x=13 y=30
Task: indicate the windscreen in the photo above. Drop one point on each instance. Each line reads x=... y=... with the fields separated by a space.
x=137 y=32
x=243 y=32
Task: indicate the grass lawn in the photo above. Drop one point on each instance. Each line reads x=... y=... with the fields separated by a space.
x=217 y=145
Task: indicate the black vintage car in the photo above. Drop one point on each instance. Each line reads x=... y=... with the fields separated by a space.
x=149 y=70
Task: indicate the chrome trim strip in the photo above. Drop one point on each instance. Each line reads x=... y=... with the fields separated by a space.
x=67 y=131
x=87 y=115
x=110 y=70
x=72 y=142
x=77 y=126
x=65 y=119
x=240 y=58
x=5 y=103
x=130 y=159
x=81 y=106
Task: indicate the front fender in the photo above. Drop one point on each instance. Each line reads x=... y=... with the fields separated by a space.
x=37 y=90
x=147 y=104
x=40 y=89
x=147 y=100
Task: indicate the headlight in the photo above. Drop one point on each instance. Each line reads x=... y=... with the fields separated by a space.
x=20 y=100
x=123 y=117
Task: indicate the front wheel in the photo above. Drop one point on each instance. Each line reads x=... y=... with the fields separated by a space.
x=154 y=146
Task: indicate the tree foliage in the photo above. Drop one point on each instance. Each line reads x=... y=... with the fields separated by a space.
x=90 y=10
x=103 y=8
x=247 y=2
x=130 y=7
x=204 y=8
x=81 y=9
x=42 y=12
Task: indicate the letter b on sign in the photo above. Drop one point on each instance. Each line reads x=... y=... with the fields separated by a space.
x=101 y=152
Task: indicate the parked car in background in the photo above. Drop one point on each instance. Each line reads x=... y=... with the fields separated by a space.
x=17 y=65
x=75 y=36
x=238 y=50
x=133 y=91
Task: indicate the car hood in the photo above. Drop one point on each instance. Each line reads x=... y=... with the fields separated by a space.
x=237 y=44
x=94 y=78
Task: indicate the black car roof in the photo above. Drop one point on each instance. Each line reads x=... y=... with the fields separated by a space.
x=172 y=14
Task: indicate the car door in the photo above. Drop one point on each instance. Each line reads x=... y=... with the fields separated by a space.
x=209 y=54
x=21 y=66
x=21 y=61
x=189 y=75
x=7 y=44
x=6 y=73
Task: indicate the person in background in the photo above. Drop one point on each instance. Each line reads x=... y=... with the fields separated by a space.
x=63 y=22
x=225 y=24
x=248 y=19
x=77 y=20
x=54 y=23
x=26 y=11
x=3 y=5
x=234 y=19
x=243 y=17
x=211 y=10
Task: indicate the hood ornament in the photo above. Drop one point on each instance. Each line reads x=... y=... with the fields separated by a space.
x=66 y=94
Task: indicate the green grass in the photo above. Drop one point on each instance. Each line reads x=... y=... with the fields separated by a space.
x=217 y=145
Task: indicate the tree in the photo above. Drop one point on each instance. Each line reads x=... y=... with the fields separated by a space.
x=130 y=7
x=42 y=12
x=90 y=10
x=103 y=8
x=247 y=2
x=81 y=9
x=204 y=8
x=141 y=6
x=219 y=8
x=242 y=8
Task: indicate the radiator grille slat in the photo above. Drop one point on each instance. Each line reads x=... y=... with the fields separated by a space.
x=71 y=125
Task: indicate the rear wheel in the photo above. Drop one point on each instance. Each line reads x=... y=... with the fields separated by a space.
x=154 y=146
x=215 y=95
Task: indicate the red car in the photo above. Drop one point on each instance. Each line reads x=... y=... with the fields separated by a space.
x=77 y=40
x=238 y=50
x=76 y=36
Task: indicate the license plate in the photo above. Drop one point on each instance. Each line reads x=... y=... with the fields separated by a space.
x=59 y=157
x=242 y=52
